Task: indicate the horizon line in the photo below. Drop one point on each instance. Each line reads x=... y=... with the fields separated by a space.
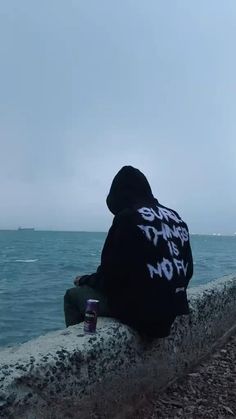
x=102 y=231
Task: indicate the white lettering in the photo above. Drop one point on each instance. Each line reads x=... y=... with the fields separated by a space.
x=147 y=213
x=173 y=248
x=147 y=230
x=163 y=268
x=178 y=232
x=167 y=233
x=179 y=264
x=170 y=248
x=166 y=213
x=157 y=214
x=185 y=234
x=155 y=271
x=167 y=269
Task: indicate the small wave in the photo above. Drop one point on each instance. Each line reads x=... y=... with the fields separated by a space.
x=26 y=260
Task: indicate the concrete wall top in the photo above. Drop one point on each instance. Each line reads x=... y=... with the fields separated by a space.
x=70 y=374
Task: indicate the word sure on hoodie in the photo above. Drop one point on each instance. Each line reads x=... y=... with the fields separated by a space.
x=146 y=262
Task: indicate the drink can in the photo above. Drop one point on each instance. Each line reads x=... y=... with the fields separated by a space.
x=90 y=319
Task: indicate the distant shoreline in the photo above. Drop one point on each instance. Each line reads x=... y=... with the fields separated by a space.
x=33 y=230
x=51 y=231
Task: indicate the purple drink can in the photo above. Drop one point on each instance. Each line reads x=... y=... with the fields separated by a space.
x=90 y=319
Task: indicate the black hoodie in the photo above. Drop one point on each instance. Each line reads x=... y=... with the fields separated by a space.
x=146 y=262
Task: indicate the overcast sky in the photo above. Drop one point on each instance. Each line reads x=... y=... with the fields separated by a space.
x=89 y=86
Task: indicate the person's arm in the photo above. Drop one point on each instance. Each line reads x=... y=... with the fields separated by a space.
x=120 y=255
x=96 y=279
x=117 y=258
x=92 y=280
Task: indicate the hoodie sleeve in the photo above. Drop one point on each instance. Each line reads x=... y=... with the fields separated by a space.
x=94 y=280
x=117 y=255
x=97 y=279
x=120 y=253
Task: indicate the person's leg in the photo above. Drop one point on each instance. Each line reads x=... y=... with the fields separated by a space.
x=75 y=304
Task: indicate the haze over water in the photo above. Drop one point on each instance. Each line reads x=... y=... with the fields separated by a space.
x=89 y=86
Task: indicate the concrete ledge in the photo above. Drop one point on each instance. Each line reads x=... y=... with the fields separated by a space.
x=67 y=374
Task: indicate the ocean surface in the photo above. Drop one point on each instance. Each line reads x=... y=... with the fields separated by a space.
x=36 y=268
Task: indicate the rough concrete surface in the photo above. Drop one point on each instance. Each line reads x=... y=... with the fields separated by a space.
x=69 y=374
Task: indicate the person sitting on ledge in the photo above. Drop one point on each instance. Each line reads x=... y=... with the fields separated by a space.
x=146 y=262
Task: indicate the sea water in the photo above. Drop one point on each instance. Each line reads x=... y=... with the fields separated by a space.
x=36 y=268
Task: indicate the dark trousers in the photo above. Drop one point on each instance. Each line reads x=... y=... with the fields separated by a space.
x=75 y=304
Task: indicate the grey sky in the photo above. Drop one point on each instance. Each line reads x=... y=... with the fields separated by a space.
x=88 y=86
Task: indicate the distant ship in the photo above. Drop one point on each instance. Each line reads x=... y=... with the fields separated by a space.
x=26 y=229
